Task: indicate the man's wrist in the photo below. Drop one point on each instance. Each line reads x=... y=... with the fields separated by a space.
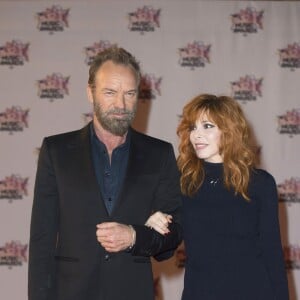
x=133 y=238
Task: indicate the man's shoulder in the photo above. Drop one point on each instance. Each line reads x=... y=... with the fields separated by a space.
x=67 y=136
x=145 y=138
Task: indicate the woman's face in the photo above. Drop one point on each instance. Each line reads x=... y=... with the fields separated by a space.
x=205 y=137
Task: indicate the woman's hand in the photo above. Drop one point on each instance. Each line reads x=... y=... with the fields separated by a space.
x=159 y=222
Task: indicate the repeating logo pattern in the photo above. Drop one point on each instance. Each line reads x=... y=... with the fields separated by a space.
x=149 y=87
x=140 y=22
x=292 y=257
x=93 y=50
x=145 y=19
x=247 y=20
x=14 y=53
x=54 y=86
x=13 y=253
x=13 y=187
x=14 y=119
x=289 y=190
x=53 y=19
x=195 y=54
x=289 y=123
x=289 y=57
x=247 y=88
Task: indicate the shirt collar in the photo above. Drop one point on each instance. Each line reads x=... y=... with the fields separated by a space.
x=95 y=139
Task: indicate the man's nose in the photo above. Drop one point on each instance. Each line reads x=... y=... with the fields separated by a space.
x=120 y=101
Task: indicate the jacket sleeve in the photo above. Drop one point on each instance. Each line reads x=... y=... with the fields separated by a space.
x=43 y=229
x=151 y=243
x=167 y=199
x=270 y=238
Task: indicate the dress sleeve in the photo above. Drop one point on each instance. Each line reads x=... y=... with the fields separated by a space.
x=269 y=232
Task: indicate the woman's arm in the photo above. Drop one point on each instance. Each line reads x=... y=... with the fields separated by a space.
x=269 y=232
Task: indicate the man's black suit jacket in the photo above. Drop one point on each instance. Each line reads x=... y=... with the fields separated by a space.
x=66 y=262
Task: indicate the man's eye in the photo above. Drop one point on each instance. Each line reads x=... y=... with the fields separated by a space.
x=131 y=94
x=109 y=93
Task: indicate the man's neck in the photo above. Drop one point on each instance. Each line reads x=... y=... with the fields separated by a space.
x=110 y=140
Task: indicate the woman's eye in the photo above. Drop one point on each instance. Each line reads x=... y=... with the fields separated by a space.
x=193 y=127
x=208 y=125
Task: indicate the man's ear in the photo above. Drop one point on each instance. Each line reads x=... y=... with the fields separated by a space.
x=90 y=94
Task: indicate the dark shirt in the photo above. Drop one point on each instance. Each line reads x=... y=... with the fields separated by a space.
x=110 y=176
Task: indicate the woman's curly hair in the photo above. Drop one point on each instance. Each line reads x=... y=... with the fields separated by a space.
x=235 y=144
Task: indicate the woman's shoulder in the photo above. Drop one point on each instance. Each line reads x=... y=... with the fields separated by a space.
x=262 y=177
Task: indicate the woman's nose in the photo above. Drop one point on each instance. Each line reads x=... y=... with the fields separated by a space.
x=199 y=134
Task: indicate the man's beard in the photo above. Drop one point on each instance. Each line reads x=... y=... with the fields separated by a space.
x=116 y=126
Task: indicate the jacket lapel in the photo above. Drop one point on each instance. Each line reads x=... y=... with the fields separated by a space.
x=81 y=155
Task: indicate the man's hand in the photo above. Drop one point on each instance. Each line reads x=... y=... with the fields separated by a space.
x=115 y=237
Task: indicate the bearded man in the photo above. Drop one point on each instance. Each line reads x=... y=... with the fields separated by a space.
x=95 y=189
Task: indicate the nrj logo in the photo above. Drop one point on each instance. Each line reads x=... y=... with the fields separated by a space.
x=195 y=54
x=247 y=21
x=149 y=87
x=13 y=254
x=289 y=57
x=14 y=53
x=289 y=123
x=289 y=190
x=144 y=19
x=13 y=187
x=53 y=19
x=54 y=86
x=247 y=88
x=14 y=119
x=292 y=257
x=93 y=50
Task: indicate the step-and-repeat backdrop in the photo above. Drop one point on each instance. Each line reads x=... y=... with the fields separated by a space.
x=246 y=49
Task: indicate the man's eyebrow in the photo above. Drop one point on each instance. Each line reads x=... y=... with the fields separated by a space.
x=108 y=89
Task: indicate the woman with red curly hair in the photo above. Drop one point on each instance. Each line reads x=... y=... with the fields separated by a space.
x=230 y=208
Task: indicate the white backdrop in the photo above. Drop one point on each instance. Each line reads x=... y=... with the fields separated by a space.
x=246 y=49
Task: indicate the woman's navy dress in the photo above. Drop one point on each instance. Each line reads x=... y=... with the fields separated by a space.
x=232 y=245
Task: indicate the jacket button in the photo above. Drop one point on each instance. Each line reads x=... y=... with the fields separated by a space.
x=107 y=257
